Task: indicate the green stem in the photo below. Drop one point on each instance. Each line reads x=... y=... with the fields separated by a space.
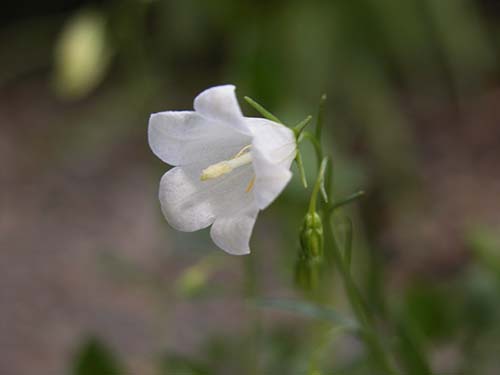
x=360 y=308
x=317 y=186
x=357 y=303
x=319 y=156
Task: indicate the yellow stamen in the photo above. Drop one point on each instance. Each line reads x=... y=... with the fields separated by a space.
x=250 y=185
x=219 y=169
x=242 y=151
x=215 y=170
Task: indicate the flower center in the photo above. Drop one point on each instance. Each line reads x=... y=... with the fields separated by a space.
x=243 y=157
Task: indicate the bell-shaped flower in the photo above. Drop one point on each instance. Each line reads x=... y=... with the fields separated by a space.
x=228 y=167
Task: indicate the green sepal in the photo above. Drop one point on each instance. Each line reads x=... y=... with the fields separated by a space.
x=264 y=112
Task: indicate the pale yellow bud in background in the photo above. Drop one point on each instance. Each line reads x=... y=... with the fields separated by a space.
x=82 y=55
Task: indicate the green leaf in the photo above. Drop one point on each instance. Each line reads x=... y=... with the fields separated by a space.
x=95 y=358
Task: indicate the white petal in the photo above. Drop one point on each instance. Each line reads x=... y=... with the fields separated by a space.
x=270 y=179
x=190 y=204
x=183 y=204
x=275 y=141
x=183 y=137
x=219 y=103
x=273 y=150
x=232 y=233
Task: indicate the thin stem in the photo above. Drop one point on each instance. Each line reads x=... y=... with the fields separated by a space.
x=319 y=155
x=358 y=305
x=317 y=185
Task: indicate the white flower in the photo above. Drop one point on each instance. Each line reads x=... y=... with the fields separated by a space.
x=228 y=167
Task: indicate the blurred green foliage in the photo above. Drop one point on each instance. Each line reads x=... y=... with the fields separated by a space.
x=95 y=358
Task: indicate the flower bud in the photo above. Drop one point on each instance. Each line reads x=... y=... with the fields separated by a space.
x=310 y=258
x=307 y=272
x=311 y=235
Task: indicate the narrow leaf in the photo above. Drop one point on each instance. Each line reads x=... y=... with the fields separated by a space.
x=342 y=202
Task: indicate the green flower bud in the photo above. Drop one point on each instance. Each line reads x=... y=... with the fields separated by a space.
x=311 y=236
x=307 y=272
x=310 y=257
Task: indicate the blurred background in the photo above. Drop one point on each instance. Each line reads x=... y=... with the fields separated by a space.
x=94 y=281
